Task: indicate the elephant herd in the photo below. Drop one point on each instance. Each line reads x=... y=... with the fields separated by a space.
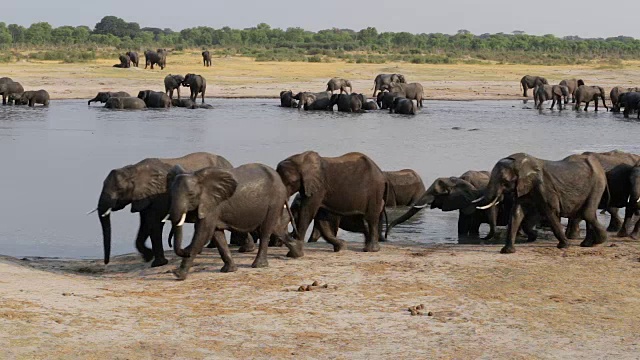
x=151 y=58
x=14 y=94
x=351 y=192
x=393 y=93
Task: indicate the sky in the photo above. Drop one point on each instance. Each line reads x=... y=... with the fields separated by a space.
x=588 y=18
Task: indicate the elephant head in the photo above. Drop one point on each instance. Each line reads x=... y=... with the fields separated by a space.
x=302 y=173
x=398 y=78
x=347 y=83
x=144 y=95
x=564 y=91
x=519 y=172
x=101 y=97
x=189 y=79
x=305 y=99
x=201 y=192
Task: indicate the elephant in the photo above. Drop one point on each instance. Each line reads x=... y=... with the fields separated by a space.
x=10 y=88
x=571 y=187
x=531 y=82
x=103 y=96
x=314 y=101
x=185 y=103
x=34 y=97
x=242 y=199
x=197 y=83
x=572 y=85
x=347 y=102
x=125 y=102
x=586 y=94
x=367 y=105
x=206 y=58
x=351 y=184
x=173 y=82
x=287 y=100
x=631 y=102
x=155 y=58
x=339 y=84
x=155 y=99
x=386 y=79
x=634 y=202
x=550 y=92
x=615 y=94
x=403 y=106
x=133 y=57
x=413 y=91
x=385 y=99
x=144 y=185
x=125 y=62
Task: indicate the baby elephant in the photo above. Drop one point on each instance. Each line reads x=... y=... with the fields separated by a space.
x=403 y=106
x=34 y=97
x=103 y=96
x=129 y=103
x=155 y=99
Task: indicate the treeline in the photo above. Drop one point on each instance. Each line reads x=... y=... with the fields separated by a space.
x=296 y=44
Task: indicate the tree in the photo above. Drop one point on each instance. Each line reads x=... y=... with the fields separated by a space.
x=5 y=36
x=38 y=33
x=63 y=35
x=116 y=26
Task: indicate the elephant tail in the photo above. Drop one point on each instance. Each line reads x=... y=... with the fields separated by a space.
x=171 y=234
x=293 y=220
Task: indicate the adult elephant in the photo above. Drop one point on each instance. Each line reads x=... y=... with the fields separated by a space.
x=347 y=102
x=571 y=188
x=10 y=88
x=615 y=94
x=631 y=102
x=206 y=58
x=550 y=92
x=171 y=83
x=155 y=99
x=572 y=86
x=633 y=206
x=586 y=94
x=351 y=184
x=386 y=79
x=413 y=91
x=339 y=84
x=287 y=100
x=32 y=98
x=133 y=57
x=144 y=186
x=103 y=96
x=385 y=99
x=152 y=58
x=403 y=106
x=243 y=199
x=531 y=82
x=197 y=84
x=314 y=101
x=125 y=103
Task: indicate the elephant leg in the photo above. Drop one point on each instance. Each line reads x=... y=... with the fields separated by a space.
x=493 y=220
x=225 y=253
x=203 y=96
x=371 y=239
x=329 y=234
x=636 y=230
x=512 y=230
x=586 y=106
x=556 y=227
x=307 y=212
x=203 y=232
x=598 y=234
x=528 y=224
x=143 y=234
x=553 y=103
x=573 y=228
x=156 y=242
x=315 y=235
x=615 y=223
x=245 y=240
x=628 y=216
x=464 y=224
x=524 y=87
x=596 y=104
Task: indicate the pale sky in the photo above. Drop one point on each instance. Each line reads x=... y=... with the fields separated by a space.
x=589 y=19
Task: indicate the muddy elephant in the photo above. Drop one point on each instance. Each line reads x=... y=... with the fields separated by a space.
x=144 y=186
x=615 y=94
x=125 y=103
x=550 y=92
x=572 y=86
x=347 y=102
x=155 y=99
x=103 y=96
x=32 y=98
x=571 y=188
x=630 y=101
x=243 y=199
x=197 y=85
x=586 y=94
x=531 y=82
x=403 y=106
x=413 y=91
x=339 y=84
x=133 y=57
x=386 y=79
x=152 y=58
x=351 y=184
x=10 y=88
x=287 y=100
x=171 y=83
x=206 y=58
x=314 y=101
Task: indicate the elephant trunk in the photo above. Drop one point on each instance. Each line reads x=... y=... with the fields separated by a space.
x=105 y=206
x=92 y=100
x=178 y=215
x=415 y=208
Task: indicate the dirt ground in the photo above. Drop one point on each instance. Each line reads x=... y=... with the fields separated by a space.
x=236 y=77
x=539 y=303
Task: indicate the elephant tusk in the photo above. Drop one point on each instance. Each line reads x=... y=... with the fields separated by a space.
x=494 y=202
x=638 y=200
x=166 y=218
x=420 y=206
x=182 y=219
x=106 y=213
x=477 y=200
x=92 y=211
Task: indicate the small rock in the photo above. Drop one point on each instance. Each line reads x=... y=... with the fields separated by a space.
x=315 y=283
x=308 y=288
x=326 y=286
x=301 y=288
x=414 y=312
x=420 y=307
x=613 y=245
x=429 y=313
x=67 y=294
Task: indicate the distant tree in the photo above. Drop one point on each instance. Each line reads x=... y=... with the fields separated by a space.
x=116 y=26
x=63 y=35
x=518 y=32
x=17 y=33
x=38 y=33
x=5 y=36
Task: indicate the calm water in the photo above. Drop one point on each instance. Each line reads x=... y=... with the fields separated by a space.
x=55 y=159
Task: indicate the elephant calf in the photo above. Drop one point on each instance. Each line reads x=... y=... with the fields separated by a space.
x=550 y=92
x=339 y=84
x=34 y=97
x=403 y=106
x=128 y=103
x=155 y=99
x=586 y=94
x=103 y=96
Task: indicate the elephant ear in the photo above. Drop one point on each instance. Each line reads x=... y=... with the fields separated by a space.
x=310 y=168
x=528 y=175
x=148 y=180
x=217 y=186
x=460 y=197
x=173 y=173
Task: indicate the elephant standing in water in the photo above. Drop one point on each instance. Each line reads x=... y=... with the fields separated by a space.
x=339 y=84
x=586 y=94
x=615 y=94
x=347 y=102
x=144 y=186
x=32 y=98
x=403 y=106
x=155 y=99
x=173 y=82
x=367 y=105
x=630 y=101
x=413 y=91
x=572 y=86
x=125 y=103
x=386 y=79
x=287 y=100
x=103 y=96
x=133 y=56
x=314 y=101
x=197 y=84
x=571 y=188
x=10 y=88
x=206 y=58
x=351 y=184
x=550 y=92
x=531 y=82
x=385 y=99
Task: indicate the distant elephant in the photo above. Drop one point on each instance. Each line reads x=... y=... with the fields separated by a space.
x=128 y=103
x=9 y=88
x=155 y=99
x=403 y=106
x=206 y=58
x=173 y=82
x=339 y=84
x=34 y=97
x=586 y=94
x=125 y=61
x=347 y=102
x=631 y=102
x=287 y=100
x=531 y=82
x=351 y=184
x=145 y=185
x=386 y=79
x=243 y=199
x=155 y=58
x=133 y=57
x=571 y=188
x=550 y=92
x=615 y=93
x=572 y=85
x=185 y=103
x=413 y=91
x=314 y=101
x=385 y=99
x=103 y=96
x=197 y=83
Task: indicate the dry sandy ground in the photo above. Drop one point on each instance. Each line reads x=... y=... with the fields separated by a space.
x=232 y=77
x=540 y=303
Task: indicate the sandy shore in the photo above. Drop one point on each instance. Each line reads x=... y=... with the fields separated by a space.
x=235 y=77
x=538 y=303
